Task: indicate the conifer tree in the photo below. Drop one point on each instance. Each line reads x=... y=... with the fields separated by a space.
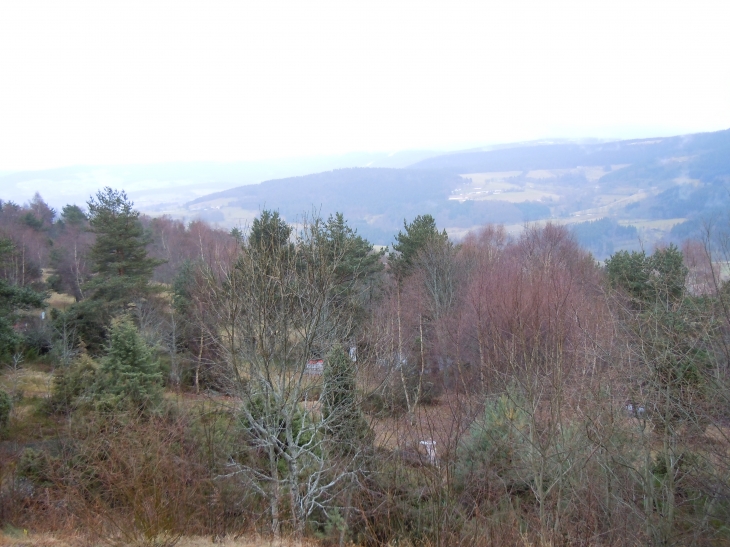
x=119 y=255
x=129 y=375
x=669 y=329
x=121 y=269
x=270 y=233
x=73 y=215
x=345 y=421
x=417 y=235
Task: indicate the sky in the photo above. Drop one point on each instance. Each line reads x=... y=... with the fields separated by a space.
x=103 y=82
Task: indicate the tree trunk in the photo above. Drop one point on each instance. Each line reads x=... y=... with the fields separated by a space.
x=275 y=495
x=198 y=364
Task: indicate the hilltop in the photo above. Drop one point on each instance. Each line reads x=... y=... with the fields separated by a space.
x=662 y=187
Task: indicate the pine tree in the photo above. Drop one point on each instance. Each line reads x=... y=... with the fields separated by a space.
x=270 y=233
x=129 y=375
x=669 y=329
x=417 y=235
x=121 y=269
x=649 y=279
x=357 y=260
x=119 y=254
x=73 y=215
x=345 y=422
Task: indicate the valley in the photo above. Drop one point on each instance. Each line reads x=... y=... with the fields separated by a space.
x=658 y=189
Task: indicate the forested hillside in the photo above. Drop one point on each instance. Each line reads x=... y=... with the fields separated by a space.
x=165 y=186
x=664 y=187
x=165 y=380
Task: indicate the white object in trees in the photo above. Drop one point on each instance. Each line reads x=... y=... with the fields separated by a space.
x=430 y=447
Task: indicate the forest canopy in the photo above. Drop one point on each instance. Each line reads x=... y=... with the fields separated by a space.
x=288 y=379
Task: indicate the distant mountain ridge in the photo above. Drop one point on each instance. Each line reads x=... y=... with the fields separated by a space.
x=371 y=198
x=655 y=183
x=663 y=186
x=161 y=186
x=566 y=156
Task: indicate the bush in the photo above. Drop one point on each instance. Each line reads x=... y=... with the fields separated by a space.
x=71 y=384
x=374 y=404
x=398 y=505
x=430 y=393
x=37 y=340
x=6 y=406
x=35 y=466
x=490 y=459
x=139 y=476
x=392 y=401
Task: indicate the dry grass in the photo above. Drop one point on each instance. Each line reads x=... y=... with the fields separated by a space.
x=246 y=541
x=17 y=537
x=591 y=173
x=718 y=434
x=60 y=301
x=31 y=383
x=445 y=422
x=56 y=300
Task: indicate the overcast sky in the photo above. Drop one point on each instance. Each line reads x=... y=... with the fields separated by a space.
x=125 y=82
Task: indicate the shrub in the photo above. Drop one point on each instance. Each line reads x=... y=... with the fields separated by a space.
x=141 y=477
x=6 y=406
x=491 y=457
x=37 y=340
x=35 y=466
x=72 y=384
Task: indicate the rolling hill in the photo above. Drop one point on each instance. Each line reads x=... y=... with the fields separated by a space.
x=661 y=186
x=167 y=186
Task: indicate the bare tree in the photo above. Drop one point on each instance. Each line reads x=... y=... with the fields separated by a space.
x=278 y=307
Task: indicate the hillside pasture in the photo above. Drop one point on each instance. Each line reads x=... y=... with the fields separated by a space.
x=498 y=187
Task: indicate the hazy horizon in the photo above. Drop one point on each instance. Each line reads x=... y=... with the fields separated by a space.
x=88 y=83
x=153 y=185
x=629 y=134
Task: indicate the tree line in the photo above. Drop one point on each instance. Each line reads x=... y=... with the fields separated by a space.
x=497 y=390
